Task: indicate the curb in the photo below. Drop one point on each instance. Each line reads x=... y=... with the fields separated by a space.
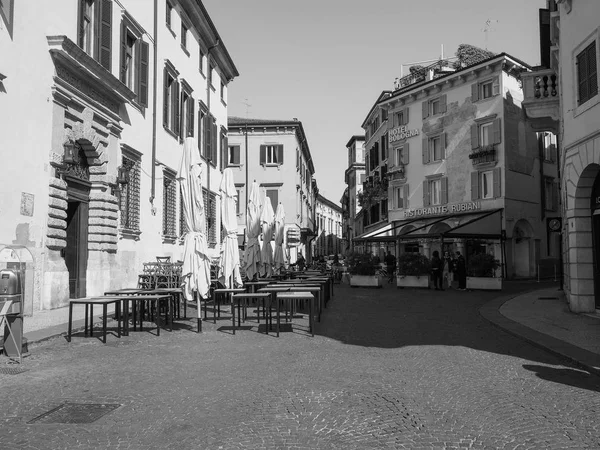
x=580 y=357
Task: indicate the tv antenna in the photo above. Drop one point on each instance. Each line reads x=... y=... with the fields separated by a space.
x=488 y=28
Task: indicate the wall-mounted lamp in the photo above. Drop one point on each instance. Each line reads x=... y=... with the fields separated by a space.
x=69 y=155
x=122 y=175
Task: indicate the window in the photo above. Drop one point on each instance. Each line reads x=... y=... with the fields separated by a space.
x=95 y=30
x=201 y=131
x=224 y=145
x=130 y=196
x=238 y=203
x=233 y=155
x=222 y=91
x=383 y=147
x=187 y=113
x=399 y=118
x=547 y=142
x=171 y=113
x=436 y=152
x=434 y=106
x=485 y=134
x=210 y=207
x=486 y=184
x=435 y=191
x=211 y=136
x=550 y=194
x=169 y=204
x=587 y=74
x=271 y=155
x=210 y=71
x=273 y=195
x=400 y=197
x=183 y=229
x=134 y=60
x=184 y=33
x=201 y=60
x=169 y=13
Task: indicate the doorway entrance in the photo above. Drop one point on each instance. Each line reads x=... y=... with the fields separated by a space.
x=76 y=251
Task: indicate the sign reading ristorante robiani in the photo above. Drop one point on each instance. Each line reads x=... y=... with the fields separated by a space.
x=442 y=209
x=399 y=133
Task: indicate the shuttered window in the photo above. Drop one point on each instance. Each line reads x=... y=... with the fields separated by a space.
x=212 y=226
x=183 y=228
x=233 y=155
x=171 y=112
x=169 y=205
x=95 y=30
x=130 y=195
x=187 y=114
x=271 y=155
x=587 y=74
x=134 y=62
x=485 y=185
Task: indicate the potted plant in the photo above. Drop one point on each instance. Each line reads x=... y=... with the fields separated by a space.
x=363 y=271
x=413 y=270
x=481 y=272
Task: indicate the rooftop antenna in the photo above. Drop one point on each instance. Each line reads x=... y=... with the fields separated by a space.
x=487 y=28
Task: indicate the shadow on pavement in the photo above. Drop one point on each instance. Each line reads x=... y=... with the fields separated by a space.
x=571 y=377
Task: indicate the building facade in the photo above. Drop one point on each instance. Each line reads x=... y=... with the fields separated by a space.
x=562 y=96
x=96 y=108
x=328 y=220
x=354 y=176
x=466 y=172
x=275 y=154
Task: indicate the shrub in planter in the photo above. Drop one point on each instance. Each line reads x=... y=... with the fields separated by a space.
x=413 y=264
x=361 y=264
x=482 y=265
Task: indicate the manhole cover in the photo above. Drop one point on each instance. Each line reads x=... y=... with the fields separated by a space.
x=76 y=413
x=12 y=370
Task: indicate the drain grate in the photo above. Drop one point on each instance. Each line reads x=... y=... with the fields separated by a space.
x=76 y=413
x=547 y=298
x=12 y=370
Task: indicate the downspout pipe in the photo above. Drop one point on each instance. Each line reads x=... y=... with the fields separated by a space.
x=154 y=79
x=208 y=84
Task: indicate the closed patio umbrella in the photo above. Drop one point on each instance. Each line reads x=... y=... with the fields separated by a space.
x=229 y=261
x=252 y=257
x=195 y=272
x=266 y=221
x=279 y=229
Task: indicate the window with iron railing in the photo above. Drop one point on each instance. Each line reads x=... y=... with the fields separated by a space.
x=130 y=195
x=212 y=226
x=169 y=205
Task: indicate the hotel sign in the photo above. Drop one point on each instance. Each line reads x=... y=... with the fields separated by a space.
x=442 y=209
x=399 y=133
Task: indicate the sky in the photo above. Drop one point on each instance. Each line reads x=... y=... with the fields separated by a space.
x=325 y=62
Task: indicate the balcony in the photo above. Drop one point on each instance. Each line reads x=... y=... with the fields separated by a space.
x=541 y=99
x=484 y=155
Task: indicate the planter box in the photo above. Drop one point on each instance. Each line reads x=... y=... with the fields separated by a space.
x=412 y=281
x=487 y=283
x=366 y=281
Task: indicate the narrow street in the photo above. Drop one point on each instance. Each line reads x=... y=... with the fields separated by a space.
x=387 y=368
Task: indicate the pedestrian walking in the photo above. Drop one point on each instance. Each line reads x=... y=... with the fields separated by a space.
x=390 y=261
x=436 y=271
x=461 y=271
x=447 y=271
x=300 y=262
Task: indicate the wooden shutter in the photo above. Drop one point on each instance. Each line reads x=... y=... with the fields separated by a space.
x=165 y=98
x=200 y=118
x=207 y=141
x=215 y=142
x=236 y=154
x=190 y=108
x=104 y=36
x=405 y=116
x=405 y=153
x=474 y=136
x=497 y=131
x=425 y=106
x=444 y=184
x=279 y=157
x=263 y=155
x=175 y=102
x=425 y=150
x=406 y=191
x=144 y=51
x=443 y=105
x=496 y=86
x=123 y=75
x=425 y=193
x=443 y=145
x=475 y=185
x=474 y=92
x=497 y=192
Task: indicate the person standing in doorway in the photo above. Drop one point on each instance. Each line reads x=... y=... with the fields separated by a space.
x=436 y=271
x=461 y=271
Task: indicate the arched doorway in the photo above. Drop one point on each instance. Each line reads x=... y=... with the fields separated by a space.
x=523 y=248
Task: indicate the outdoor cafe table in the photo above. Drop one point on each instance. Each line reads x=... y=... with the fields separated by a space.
x=274 y=290
x=143 y=295
x=253 y=285
x=217 y=304
x=296 y=295
x=90 y=302
x=259 y=296
x=306 y=287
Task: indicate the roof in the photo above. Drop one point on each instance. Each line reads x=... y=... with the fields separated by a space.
x=384 y=94
x=234 y=121
x=356 y=137
x=329 y=203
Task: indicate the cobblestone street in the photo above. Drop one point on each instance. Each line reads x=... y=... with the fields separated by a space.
x=387 y=368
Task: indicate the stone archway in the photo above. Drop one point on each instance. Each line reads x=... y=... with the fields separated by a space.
x=523 y=248
x=579 y=230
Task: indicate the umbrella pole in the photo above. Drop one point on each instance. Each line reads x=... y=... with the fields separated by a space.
x=199 y=311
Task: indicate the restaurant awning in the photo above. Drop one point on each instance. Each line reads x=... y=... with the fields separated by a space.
x=377 y=232
x=481 y=224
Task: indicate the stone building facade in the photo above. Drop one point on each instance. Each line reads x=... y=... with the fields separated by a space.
x=328 y=220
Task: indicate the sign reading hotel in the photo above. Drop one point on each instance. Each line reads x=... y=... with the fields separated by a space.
x=399 y=133
x=443 y=209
